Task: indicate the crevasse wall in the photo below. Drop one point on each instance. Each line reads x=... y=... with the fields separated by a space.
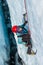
x=4 y=42
x=35 y=18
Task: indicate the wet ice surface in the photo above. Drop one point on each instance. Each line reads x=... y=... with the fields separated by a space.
x=35 y=18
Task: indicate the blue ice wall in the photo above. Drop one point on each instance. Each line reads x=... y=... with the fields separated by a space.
x=35 y=18
x=4 y=42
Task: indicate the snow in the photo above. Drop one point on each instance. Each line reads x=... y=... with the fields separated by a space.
x=35 y=18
